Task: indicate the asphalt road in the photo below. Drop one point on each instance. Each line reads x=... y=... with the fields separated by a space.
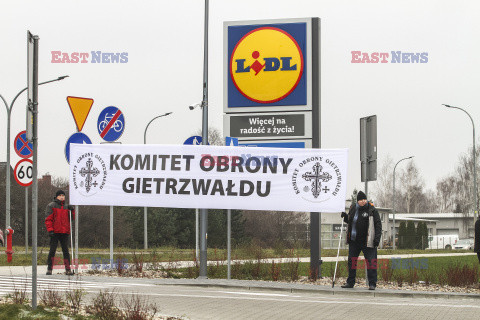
x=211 y=302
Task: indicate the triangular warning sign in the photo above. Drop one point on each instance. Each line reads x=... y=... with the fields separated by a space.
x=80 y=108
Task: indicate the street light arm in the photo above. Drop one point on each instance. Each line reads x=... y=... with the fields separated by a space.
x=45 y=82
x=453 y=107
x=4 y=101
x=145 y=133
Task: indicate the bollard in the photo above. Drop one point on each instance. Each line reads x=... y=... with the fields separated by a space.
x=9 y=250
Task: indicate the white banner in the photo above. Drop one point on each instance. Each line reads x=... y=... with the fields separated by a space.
x=186 y=176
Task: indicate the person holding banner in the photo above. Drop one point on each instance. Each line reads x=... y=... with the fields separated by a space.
x=58 y=226
x=363 y=234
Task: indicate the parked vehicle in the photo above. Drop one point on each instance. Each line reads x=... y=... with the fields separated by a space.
x=464 y=244
x=442 y=242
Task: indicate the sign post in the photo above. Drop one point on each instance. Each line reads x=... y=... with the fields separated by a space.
x=272 y=90
x=32 y=112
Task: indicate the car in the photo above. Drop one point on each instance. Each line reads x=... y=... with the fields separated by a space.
x=464 y=244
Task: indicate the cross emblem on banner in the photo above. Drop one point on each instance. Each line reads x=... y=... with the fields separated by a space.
x=317 y=176
x=89 y=172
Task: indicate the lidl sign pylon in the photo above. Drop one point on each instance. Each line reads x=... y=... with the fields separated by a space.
x=80 y=108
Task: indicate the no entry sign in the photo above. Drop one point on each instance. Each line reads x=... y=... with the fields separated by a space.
x=23 y=148
x=24 y=172
x=111 y=124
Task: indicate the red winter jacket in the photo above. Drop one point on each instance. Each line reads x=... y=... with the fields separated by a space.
x=58 y=219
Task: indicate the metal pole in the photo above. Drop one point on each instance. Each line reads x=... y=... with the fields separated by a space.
x=197 y=248
x=145 y=228
x=111 y=236
x=145 y=209
x=26 y=220
x=204 y=212
x=35 y=172
x=76 y=239
x=475 y=194
x=393 y=198
x=229 y=238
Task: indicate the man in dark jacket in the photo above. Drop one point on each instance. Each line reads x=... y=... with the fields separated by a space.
x=363 y=234
x=476 y=248
x=58 y=227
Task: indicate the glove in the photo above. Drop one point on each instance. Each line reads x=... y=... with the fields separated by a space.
x=51 y=233
x=70 y=207
x=344 y=215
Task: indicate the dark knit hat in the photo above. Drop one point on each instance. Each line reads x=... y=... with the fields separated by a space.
x=59 y=192
x=361 y=196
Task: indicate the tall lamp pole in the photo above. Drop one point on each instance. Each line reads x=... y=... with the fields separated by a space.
x=393 y=198
x=9 y=112
x=145 y=224
x=475 y=206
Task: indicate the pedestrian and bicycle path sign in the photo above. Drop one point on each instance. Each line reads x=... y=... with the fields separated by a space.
x=111 y=124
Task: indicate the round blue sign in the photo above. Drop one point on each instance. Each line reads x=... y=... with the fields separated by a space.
x=110 y=124
x=23 y=148
x=78 y=137
x=195 y=140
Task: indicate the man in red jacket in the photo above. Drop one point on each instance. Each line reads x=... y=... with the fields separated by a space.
x=58 y=228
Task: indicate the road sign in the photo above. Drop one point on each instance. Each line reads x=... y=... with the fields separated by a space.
x=77 y=137
x=111 y=124
x=368 y=148
x=195 y=140
x=24 y=172
x=23 y=148
x=230 y=141
x=80 y=108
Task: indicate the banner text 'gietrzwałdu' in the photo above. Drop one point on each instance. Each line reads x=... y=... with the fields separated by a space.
x=183 y=176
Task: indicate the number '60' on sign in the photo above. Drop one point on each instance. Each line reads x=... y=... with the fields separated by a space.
x=24 y=172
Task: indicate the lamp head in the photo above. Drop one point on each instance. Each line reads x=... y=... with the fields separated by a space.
x=62 y=77
x=446 y=105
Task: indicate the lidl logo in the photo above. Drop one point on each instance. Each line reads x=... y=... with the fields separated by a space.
x=266 y=65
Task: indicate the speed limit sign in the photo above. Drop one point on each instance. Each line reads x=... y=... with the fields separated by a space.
x=24 y=172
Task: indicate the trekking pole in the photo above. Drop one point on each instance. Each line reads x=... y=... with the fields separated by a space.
x=71 y=236
x=338 y=254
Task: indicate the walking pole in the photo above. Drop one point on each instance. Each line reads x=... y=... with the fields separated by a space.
x=338 y=254
x=71 y=237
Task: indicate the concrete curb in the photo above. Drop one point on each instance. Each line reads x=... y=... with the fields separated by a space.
x=301 y=288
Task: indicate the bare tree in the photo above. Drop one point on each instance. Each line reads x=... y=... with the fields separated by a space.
x=382 y=191
x=215 y=137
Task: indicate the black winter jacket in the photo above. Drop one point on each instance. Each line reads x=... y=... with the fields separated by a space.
x=372 y=212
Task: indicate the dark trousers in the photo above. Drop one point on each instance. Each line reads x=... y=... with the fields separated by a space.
x=370 y=255
x=478 y=255
x=54 y=239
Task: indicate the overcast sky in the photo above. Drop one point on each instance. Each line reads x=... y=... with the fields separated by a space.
x=164 y=42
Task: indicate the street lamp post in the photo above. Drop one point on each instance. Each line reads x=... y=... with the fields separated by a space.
x=7 y=175
x=475 y=206
x=145 y=224
x=393 y=198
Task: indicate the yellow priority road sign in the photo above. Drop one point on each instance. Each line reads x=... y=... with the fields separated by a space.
x=80 y=108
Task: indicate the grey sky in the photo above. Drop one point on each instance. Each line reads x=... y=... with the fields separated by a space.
x=164 y=41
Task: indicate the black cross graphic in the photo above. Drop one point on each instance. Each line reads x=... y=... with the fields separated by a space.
x=316 y=177
x=89 y=171
x=326 y=189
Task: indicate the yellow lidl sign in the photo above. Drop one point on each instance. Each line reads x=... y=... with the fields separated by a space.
x=266 y=65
